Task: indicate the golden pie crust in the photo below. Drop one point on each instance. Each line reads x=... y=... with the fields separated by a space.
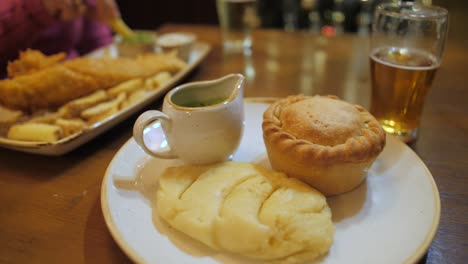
x=326 y=142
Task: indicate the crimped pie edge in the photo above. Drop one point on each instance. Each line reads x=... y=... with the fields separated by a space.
x=355 y=149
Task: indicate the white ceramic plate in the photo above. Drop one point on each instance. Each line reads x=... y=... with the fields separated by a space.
x=391 y=218
x=199 y=52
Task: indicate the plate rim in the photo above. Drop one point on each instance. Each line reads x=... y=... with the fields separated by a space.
x=134 y=256
x=123 y=244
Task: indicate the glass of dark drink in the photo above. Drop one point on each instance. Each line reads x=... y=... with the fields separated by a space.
x=407 y=44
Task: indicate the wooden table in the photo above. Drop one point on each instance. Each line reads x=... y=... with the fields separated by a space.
x=50 y=206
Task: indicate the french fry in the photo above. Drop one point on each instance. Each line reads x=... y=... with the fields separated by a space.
x=70 y=126
x=35 y=132
x=75 y=107
x=103 y=110
x=9 y=116
x=134 y=97
x=46 y=118
x=157 y=80
x=126 y=87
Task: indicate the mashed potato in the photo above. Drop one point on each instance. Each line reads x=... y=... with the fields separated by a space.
x=246 y=209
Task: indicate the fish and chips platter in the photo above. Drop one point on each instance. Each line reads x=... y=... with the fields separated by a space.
x=50 y=106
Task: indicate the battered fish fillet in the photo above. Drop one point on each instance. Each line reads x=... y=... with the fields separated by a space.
x=30 y=61
x=56 y=85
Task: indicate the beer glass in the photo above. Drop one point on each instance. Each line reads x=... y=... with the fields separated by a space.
x=237 y=19
x=407 y=44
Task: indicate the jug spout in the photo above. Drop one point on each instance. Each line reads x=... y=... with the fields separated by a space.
x=208 y=93
x=232 y=85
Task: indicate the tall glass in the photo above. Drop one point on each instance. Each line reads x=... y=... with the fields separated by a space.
x=237 y=18
x=407 y=44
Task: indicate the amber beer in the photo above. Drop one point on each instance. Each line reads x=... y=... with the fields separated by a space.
x=401 y=78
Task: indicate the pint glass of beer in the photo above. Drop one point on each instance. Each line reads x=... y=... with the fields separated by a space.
x=407 y=44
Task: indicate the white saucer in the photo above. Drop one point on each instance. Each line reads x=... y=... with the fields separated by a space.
x=391 y=218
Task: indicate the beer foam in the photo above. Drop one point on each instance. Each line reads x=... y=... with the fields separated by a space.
x=376 y=55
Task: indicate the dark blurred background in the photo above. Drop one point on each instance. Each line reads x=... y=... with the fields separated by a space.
x=326 y=16
x=287 y=14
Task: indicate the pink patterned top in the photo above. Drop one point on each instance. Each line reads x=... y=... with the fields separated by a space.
x=27 y=24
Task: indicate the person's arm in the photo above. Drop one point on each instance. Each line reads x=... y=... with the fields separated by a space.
x=104 y=11
x=95 y=35
x=96 y=30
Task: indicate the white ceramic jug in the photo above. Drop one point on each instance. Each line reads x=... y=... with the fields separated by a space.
x=202 y=121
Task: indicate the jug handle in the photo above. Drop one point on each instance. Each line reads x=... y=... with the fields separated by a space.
x=142 y=122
